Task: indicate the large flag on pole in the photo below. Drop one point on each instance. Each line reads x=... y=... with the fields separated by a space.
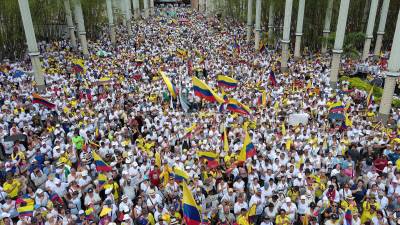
x=191 y=212
x=226 y=82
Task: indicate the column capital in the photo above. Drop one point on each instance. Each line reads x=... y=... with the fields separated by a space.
x=337 y=51
x=380 y=32
x=392 y=74
x=326 y=31
x=270 y=26
x=285 y=41
x=71 y=27
x=82 y=32
x=298 y=34
x=369 y=36
x=258 y=30
x=34 y=53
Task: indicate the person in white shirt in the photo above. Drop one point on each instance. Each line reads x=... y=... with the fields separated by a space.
x=290 y=208
x=153 y=199
x=271 y=210
x=240 y=204
x=239 y=185
x=259 y=202
x=229 y=197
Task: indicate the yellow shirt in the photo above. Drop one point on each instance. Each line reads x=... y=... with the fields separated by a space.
x=242 y=220
x=115 y=187
x=282 y=220
x=13 y=188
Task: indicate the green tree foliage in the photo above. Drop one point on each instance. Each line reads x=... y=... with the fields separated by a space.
x=50 y=24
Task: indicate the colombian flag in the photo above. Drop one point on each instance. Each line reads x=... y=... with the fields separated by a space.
x=336 y=107
x=191 y=212
x=211 y=157
x=25 y=206
x=234 y=105
x=102 y=179
x=180 y=175
x=248 y=149
x=272 y=78
x=226 y=82
x=40 y=100
x=262 y=100
x=203 y=91
x=78 y=65
x=171 y=88
x=101 y=166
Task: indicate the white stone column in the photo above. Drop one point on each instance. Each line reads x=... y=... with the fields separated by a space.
x=327 y=26
x=381 y=28
x=258 y=25
x=111 y=21
x=249 y=19
x=128 y=16
x=370 y=28
x=81 y=26
x=340 y=32
x=152 y=7
x=32 y=44
x=391 y=76
x=286 y=34
x=116 y=11
x=146 y=8
x=122 y=9
x=271 y=17
x=299 y=28
x=195 y=4
x=136 y=9
x=70 y=23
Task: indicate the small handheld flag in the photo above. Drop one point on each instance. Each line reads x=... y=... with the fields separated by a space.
x=42 y=101
x=203 y=91
x=171 y=88
x=226 y=82
x=100 y=164
x=191 y=212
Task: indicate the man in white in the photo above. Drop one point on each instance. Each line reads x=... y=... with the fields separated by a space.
x=290 y=209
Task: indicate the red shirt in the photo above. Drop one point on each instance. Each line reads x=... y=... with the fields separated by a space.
x=154 y=176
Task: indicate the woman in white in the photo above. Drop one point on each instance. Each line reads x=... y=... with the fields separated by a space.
x=345 y=192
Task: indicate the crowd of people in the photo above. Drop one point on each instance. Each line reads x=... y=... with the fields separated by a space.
x=106 y=153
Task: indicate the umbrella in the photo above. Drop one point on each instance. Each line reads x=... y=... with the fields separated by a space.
x=103 y=53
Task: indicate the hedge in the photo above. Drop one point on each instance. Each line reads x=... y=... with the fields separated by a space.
x=358 y=83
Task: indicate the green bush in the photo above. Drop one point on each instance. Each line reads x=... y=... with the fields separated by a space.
x=358 y=83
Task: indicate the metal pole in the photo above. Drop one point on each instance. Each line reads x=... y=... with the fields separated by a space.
x=391 y=76
x=258 y=24
x=111 y=21
x=340 y=32
x=370 y=28
x=286 y=34
x=81 y=26
x=299 y=28
x=70 y=23
x=249 y=19
x=381 y=28
x=32 y=44
x=327 y=26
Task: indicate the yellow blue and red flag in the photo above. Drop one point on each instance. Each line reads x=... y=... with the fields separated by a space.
x=248 y=149
x=180 y=174
x=203 y=91
x=226 y=82
x=235 y=106
x=100 y=164
x=191 y=212
x=36 y=98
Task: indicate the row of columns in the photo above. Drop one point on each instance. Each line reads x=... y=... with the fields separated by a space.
x=394 y=62
x=112 y=5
